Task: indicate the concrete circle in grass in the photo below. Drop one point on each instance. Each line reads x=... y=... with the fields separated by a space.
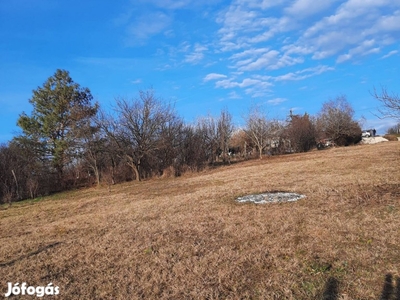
x=272 y=197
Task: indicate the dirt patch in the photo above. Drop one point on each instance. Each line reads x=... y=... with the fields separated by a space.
x=272 y=197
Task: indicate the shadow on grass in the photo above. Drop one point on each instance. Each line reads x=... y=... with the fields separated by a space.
x=390 y=290
x=11 y=262
x=331 y=291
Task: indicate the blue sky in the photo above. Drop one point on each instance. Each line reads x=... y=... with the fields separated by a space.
x=204 y=55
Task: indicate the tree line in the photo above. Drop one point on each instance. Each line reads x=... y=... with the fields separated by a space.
x=69 y=141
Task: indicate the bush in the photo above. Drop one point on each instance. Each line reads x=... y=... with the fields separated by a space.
x=391 y=137
x=301 y=133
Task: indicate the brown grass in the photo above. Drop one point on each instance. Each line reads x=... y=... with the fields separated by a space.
x=186 y=238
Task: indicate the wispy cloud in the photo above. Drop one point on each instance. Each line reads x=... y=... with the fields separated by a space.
x=196 y=55
x=234 y=95
x=303 y=74
x=137 y=81
x=276 y=101
x=144 y=19
x=305 y=8
x=167 y=4
x=247 y=82
x=214 y=76
x=247 y=23
x=255 y=87
x=366 y=47
x=147 y=26
x=270 y=60
x=261 y=85
x=391 y=53
x=177 y=4
x=295 y=37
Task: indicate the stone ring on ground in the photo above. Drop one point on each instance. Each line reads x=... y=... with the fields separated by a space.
x=273 y=197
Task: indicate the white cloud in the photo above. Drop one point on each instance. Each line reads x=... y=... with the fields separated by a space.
x=303 y=74
x=247 y=82
x=257 y=93
x=388 y=23
x=200 y=48
x=351 y=25
x=276 y=101
x=297 y=49
x=147 y=26
x=184 y=47
x=256 y=87
x=214 y=76
x=234 y=95
x=263 y=4
x=196 y=55
x=306 y=8
x=364 y=49
x=168 y=4
x=269 y=60
x=253 y=52
x=177 y=4
x=236 y=19
x=144 y=19
x=247 y=22
x=137 y=81
x=226 y=46
x=264 y=37
x=391 y=53
x=228 y=83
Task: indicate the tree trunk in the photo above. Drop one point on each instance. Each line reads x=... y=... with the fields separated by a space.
x=60 y=178
x=136 y=171
x=134 y=166
x=97 y=174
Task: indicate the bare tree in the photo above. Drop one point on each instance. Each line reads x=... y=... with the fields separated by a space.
x=258 y=129
x=138 y=128
x=207 y=129
x=215 y=134
x=394 y=129
x=391 y=104
x=240 y=143
x=225 y=130
x=21 y=172
x=93 y=148
x=336 y=121
x=192 y=152
x=277 y=140
x=171 y=140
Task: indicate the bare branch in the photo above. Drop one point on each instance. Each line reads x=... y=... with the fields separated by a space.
x=390 y=102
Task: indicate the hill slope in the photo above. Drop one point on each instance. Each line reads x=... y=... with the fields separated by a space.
x=186 y=238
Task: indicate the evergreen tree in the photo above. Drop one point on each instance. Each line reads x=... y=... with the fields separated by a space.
x=62 y=109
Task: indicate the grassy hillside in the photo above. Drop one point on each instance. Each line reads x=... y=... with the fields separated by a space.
x=186 y=238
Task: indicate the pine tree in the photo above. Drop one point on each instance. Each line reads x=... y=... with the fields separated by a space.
x=61 y=110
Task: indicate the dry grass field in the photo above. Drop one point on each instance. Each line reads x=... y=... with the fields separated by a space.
x=187 y=238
